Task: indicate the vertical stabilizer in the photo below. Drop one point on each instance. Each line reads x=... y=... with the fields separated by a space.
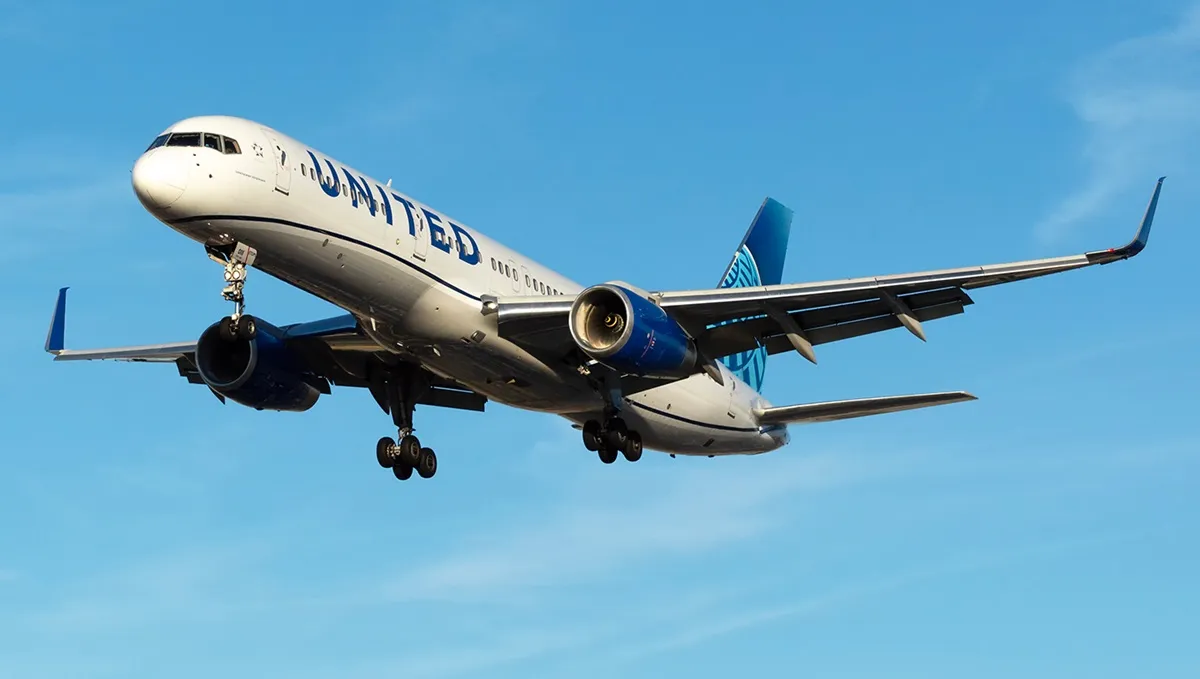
x=757 y=261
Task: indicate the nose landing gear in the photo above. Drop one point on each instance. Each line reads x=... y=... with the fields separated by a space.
x=237 y=265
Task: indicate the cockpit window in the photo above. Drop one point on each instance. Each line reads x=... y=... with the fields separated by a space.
x=212 y=141
x=209 y=140
x=158 y=141
x=184 y=139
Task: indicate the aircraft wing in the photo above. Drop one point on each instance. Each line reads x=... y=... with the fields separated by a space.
x=799 y=316
x=829 y=411
x=334 y=349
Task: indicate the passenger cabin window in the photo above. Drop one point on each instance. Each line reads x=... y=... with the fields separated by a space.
x=231 y=146
x=212 y=141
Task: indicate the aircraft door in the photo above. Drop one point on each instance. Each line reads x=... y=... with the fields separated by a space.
x=421 y=234
x=283 y=168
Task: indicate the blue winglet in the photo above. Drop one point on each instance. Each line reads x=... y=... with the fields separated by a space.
x=58 y=324
x=1139 y=241
x=1143 y=234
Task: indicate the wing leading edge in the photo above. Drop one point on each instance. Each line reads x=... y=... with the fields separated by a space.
x=798 y=316
x=829 y=411
x=332 y=348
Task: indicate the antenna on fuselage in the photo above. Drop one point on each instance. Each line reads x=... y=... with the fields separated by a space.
x=389 y=184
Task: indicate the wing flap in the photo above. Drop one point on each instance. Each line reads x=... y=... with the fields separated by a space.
x=728 y=321
x=829 y=411
x=830 y=324
x=333 y=350
x=718 y=306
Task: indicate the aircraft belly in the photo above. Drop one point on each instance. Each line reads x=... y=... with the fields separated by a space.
x=414 y=317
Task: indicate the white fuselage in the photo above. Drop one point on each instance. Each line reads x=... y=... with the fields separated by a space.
x=414 y=278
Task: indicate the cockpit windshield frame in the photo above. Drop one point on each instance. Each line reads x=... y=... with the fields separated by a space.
x=216 y=142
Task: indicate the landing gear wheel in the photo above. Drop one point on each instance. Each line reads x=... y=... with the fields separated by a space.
x=247 y=329
x=427 y=464
x=614 y=439
x=402 y=472
x=410 y=451
x=383 y=452
x=591 y=435
x=228 y=329
x=608 y=454
x=633 y=446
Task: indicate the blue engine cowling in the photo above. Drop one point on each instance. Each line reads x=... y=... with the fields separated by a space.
x=627 y=332
x=260 y=373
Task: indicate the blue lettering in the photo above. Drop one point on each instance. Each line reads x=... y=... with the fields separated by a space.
x=360 y=191
x=463 y=238
x=387 y=205
x=328 y=186
x=437 y=235
x=408 y=210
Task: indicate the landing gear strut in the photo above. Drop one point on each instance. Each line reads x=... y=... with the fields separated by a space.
x=402 y=388
x=610 y=438
x=237 y=263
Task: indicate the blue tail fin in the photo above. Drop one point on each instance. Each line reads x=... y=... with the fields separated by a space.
x=758 y=261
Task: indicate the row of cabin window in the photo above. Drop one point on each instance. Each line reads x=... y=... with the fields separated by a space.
x=216 y=142
x=311 y=173
x=538 y=286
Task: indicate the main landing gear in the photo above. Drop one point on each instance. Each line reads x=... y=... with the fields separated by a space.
x=237 y=263
x=403 y=387
x=611 y=437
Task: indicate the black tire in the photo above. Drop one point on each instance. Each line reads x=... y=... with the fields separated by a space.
x=608 y=454
x=614 y=439
x=617 y=424
x=427 y=465
x=410 y=451
x=383 y=452
x=591 y=435
x=633 y=446
x=227 y=329
x=247 y=328
x=402 y=472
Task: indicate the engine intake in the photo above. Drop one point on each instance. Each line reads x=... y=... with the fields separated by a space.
x=261 y=373
x=627 y=332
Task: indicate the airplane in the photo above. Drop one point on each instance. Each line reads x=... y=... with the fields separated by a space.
x=440 y=315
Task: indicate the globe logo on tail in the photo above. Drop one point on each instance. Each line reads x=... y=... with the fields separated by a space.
x=751 y=365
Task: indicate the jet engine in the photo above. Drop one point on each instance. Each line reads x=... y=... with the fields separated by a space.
x=261 y=373
x=627 y=332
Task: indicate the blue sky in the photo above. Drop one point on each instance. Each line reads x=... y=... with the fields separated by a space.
x=1046 y=530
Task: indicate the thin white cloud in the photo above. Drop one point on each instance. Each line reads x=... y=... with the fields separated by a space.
x=187 y=585
x=720 y=623
x=1140 y=103
x=675 y=511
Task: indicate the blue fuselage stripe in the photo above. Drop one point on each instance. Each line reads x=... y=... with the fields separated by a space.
x=697 y=423
x=331 y=234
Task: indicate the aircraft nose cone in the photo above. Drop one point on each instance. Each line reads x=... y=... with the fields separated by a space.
x=159 y=179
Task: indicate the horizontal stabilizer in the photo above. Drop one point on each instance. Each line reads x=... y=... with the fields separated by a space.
x=858 y=407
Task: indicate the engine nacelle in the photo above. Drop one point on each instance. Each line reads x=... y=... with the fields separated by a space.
x=627 y=332
x=260 y=373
